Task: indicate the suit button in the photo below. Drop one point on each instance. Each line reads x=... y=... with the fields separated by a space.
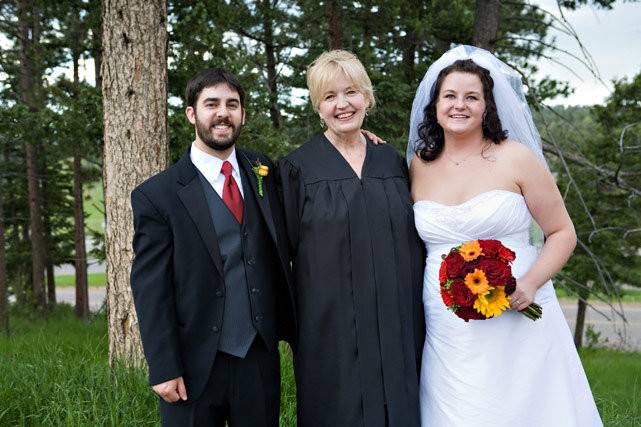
x=215 y=329
x=245 y=234
x=251 y=261
x=258 y=318
x=255 y=291
x=219 y=294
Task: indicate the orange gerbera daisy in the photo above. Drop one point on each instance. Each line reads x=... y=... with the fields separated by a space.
x=477 y=282
x=492 y=302
x=470 y=250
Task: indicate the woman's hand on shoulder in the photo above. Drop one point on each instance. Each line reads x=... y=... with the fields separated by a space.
x=375 y=139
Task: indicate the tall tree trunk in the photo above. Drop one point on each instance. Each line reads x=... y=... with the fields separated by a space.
x=333 y=15
x=80 y=261
x=134 y=87
x=270 y=54
x=96 y=42
x=51 y=284
x=82 y=293
x=22 y=284
x=579 y=326
x=486 y=23
x=29 y=79
x=412 y=40
x=49 y=250
x=4 y=294
x=366 y=53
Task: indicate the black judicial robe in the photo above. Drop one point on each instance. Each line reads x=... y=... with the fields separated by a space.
x=358 y=265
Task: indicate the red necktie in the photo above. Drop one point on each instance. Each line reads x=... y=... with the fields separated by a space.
x=231 y=193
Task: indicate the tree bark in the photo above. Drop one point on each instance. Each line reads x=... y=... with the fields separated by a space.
x=80 y=261
x=486 y=23
x=4 y=294
x=134 y=87
x=96 y=42
x=580 y=323
x=333 y=15
x=50 y=288
x=412 y=40
x=82 y=293
x=582 y=305
x=270 y=54
x=29 y=79
x=51 y=284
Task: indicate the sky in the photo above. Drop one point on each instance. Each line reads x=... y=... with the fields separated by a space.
x=612 y=37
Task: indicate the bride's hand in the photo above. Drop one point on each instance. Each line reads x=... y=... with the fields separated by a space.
x=522 y=296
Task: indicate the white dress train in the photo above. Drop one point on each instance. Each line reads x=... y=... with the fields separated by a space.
x=505 y=371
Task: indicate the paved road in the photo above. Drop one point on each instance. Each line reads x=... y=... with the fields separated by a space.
x=611 y=329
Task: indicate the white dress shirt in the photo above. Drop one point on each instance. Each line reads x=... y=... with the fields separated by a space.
x=210 y=167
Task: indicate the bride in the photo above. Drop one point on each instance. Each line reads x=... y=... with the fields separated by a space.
x=478 y=172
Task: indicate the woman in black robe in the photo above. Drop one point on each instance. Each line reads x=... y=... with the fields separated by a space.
x=357 y=260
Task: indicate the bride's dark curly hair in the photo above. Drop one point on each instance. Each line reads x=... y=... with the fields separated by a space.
x=430 y=133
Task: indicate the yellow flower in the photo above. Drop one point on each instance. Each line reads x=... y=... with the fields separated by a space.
x=492 y=302
x=263 y=170
x=470 y=250
x=477 y=282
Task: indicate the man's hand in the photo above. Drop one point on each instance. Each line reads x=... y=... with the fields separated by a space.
x=171 y=390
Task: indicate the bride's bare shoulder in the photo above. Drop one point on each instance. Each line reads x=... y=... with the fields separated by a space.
x=516 y=153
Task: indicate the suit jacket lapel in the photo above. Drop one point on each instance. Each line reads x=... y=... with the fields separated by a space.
x=193 y=198
x=263 y=202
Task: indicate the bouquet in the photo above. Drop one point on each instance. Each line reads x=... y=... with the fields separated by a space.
x=476 y=281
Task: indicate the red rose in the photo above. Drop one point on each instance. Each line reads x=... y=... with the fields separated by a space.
x=446 y=297
x=510 y=286
x=469 y=314
x=490 y=248
x=506 y=254
x=461 y=294
x=498 y=272
x=455 y=264
x=442 y=275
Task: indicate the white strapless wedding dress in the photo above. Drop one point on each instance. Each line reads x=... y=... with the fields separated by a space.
x=505 y=371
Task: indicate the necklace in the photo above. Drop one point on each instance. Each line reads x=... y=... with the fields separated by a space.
x=460 y=162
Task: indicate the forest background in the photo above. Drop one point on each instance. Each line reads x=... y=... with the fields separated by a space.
x=71 y=150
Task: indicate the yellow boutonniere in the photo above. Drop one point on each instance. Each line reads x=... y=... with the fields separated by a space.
x=260 y=171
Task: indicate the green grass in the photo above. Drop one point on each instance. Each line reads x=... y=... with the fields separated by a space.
x=69 y=280
x=93 y=206
x=628 y=295
x=54 y=372
x=615 y=378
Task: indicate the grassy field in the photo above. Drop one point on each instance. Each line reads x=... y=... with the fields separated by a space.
x=54 y=372
x=94 y=217
x=95 y=279
x=627 y=295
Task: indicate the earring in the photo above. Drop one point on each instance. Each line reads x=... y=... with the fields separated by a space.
x=322 y=123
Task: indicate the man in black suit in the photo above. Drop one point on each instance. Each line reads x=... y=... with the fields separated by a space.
x=211 y=277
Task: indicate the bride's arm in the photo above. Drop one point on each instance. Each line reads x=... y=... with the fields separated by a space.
x=548 y=210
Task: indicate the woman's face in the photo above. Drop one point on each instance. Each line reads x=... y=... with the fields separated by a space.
x=460 y=106
x=342 y=106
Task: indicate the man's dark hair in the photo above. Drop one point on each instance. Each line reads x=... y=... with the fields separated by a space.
x=208 y=78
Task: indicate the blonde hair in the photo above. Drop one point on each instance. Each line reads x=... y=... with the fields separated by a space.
x=328 y=65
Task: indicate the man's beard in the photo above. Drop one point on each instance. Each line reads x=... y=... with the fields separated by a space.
x=204 y=132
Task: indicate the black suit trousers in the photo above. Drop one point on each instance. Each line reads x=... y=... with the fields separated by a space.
x=242 y=392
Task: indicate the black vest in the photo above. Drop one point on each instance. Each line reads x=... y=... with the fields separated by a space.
x=249 y=265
